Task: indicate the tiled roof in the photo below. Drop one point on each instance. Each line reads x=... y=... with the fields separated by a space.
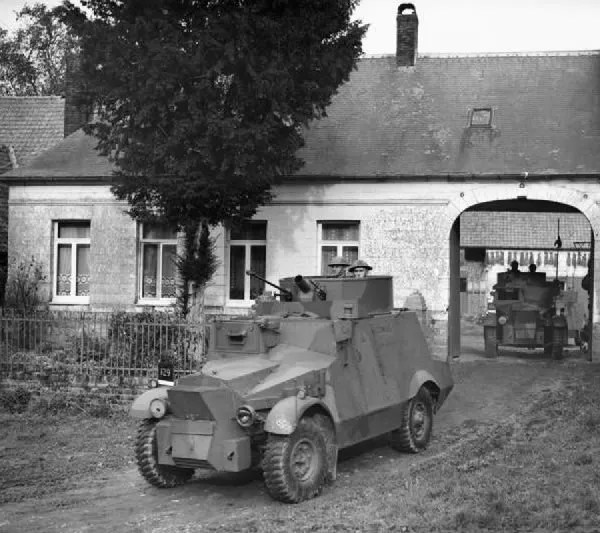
x=522 y=230
x=390 y=121
x=31 y=124
x=413 y=121
x=5 y=164
x=74 y=157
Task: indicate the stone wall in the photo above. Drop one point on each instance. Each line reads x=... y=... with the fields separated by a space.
x=87 y=390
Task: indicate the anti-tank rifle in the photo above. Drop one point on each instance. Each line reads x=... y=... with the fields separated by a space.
x=284 y=294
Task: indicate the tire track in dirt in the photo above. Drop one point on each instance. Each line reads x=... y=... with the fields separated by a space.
x=486 y=391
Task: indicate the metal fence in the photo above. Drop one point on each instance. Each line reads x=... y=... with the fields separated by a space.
x=115 y=344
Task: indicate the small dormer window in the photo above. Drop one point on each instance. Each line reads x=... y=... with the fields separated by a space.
x=481 y=117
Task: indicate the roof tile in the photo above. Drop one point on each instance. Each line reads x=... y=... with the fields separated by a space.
x=31 y=124
x=390 y=120
x=522 y=230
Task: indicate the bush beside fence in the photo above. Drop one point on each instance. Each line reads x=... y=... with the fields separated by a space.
x=105 y=347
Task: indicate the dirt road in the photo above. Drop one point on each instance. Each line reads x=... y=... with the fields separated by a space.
x=486 y=391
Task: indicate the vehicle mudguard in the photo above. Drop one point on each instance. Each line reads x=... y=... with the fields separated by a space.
x=420 y=377
x=141 y=405
x=284 y=416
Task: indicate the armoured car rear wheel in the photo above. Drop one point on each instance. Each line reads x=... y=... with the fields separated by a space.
x=490 y=342
x=417 y=422
x=295 y=466
x=146 y=454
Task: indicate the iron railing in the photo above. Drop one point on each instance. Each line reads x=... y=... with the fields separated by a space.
x=114 y=344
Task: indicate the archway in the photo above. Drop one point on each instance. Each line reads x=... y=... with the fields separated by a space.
x=487 y=236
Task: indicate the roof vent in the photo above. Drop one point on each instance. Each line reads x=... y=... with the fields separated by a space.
x=407 y=27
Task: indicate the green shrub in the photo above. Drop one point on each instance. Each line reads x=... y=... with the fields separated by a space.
x=143 y=339
x=24 y=285
x=14 y=400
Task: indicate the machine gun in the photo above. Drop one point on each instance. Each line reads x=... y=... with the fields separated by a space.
x=284 y=294
x=305 y=287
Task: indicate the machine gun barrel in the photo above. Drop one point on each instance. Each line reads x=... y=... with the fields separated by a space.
x=301 y=284
x=287 y=293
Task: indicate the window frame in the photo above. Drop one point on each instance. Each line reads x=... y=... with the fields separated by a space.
x=155 y=300
x=74 y=242
x=339 y=244
x=247 y=243
x=476 y=110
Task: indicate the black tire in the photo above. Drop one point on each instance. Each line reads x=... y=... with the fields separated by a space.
x=559 y=339
x=327 y=430
x=548 y=340
x=490 y=341
x=417 y=423
x=146 y=455
x=295 y=466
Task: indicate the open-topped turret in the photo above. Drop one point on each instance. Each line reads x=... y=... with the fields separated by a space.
x=328 y=297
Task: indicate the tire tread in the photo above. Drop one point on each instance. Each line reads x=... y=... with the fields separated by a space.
x=161 y=476
x=402 y=438
x=277 y=481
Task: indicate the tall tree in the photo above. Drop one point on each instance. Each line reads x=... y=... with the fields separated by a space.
x=33 y=58
x=202 y=103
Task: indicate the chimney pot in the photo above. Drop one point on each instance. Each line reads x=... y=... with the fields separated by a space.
x=407 y=29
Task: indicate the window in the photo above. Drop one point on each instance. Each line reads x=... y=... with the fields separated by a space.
x=158 y=252
x=337 y=238
x=247 y=251
x=481 y=117
x=71 y=283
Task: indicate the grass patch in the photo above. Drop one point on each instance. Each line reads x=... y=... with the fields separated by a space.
x=539 y=469
x=43 y=454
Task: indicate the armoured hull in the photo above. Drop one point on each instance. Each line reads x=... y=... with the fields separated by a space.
x=328 y=374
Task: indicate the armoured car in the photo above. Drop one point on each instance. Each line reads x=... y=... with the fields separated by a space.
x=528 y=311
x=320 y=365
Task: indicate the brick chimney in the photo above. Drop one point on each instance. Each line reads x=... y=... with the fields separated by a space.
x=77 y=108
x=407 y=29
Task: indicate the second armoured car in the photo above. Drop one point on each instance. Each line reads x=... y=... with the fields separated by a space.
x=326 y=366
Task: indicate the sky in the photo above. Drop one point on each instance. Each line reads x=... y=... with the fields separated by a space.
x=462 y=26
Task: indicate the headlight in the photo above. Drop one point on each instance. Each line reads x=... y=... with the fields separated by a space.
x=502 y=320
x=245 y=416
x=158 y=408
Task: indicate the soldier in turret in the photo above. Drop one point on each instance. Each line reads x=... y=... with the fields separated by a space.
x=339 y=265
x=360 y=269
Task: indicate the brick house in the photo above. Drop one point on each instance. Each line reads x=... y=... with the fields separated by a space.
x=410 y=143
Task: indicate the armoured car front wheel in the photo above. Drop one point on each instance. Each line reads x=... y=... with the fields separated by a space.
x=146 y=454
x=295 y=466
x=417 y=422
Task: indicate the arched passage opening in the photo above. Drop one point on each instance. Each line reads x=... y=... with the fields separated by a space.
x=555 y=240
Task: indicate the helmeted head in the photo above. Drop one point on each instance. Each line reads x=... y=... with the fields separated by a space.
x=339 y=265
x=360 y=268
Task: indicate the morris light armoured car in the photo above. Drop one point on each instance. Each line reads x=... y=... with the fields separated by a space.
x=327 y=365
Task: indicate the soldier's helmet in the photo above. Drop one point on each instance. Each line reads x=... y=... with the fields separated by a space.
x=338 y=261
x=359 y=263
